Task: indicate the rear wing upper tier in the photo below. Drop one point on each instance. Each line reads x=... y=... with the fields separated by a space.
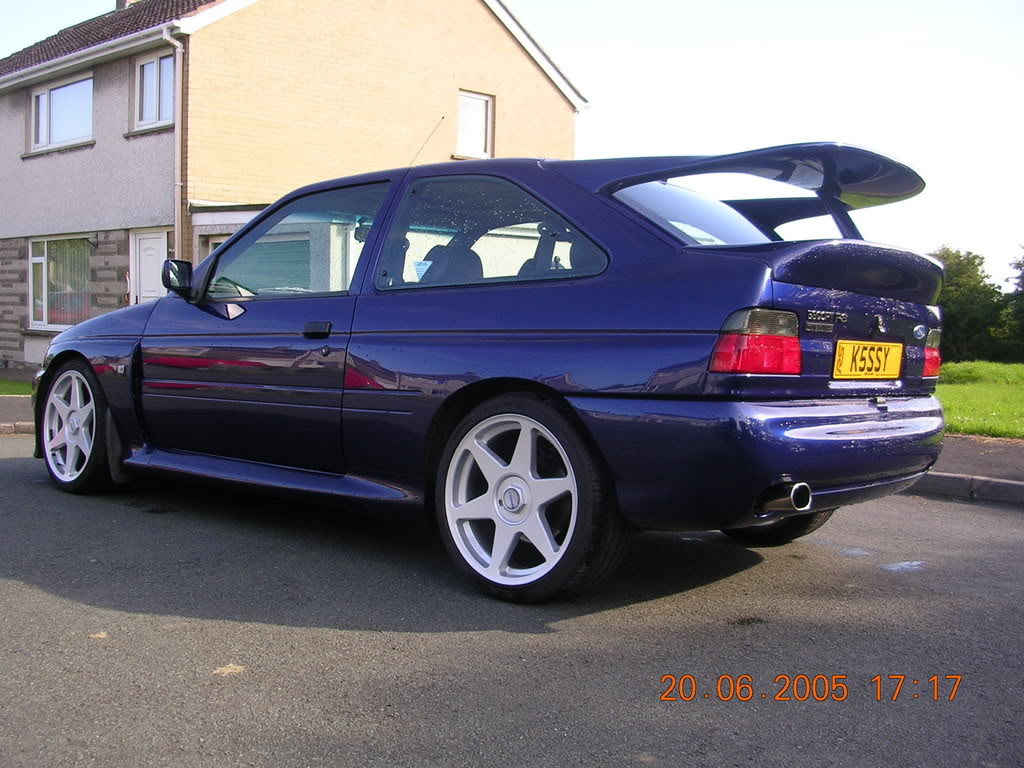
x=844 y=178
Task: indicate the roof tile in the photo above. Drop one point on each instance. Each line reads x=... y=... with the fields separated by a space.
x=136 y=17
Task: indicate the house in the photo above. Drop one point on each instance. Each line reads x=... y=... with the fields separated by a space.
x=160 y=128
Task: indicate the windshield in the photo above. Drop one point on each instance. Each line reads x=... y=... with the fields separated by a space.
x=693 y=218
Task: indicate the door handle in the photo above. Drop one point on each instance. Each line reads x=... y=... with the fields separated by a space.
x=317 y=330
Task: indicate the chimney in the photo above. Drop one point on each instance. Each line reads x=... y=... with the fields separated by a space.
x=120 y=5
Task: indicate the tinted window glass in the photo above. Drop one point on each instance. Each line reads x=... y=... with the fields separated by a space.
x=478 y=229
x=693 y=218
x=310 y=246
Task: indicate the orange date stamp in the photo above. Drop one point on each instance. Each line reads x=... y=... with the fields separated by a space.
x=801 y=687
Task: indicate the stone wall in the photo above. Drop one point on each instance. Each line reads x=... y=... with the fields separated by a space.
x=109 y=269
x=13 y=298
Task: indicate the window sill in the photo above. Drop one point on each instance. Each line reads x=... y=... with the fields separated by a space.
x=149 y=129
x=51 y=330
x=472 y=157
x=62 y=148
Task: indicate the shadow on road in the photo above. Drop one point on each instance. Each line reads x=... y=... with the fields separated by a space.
x=170 y=548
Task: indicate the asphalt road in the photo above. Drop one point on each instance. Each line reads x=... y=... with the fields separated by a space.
x=178 y=625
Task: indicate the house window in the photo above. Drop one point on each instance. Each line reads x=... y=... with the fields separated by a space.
x=475 y=136
x=59 y=282
x=62 y=114
x=154 y=91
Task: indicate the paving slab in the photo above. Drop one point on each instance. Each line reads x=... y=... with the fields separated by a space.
x=997 y=457
x=15 y=408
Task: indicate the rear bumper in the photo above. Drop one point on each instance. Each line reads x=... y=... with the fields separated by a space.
x=704 y=464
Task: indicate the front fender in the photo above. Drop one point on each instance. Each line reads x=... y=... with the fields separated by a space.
x=110 y=344
x=115 y=361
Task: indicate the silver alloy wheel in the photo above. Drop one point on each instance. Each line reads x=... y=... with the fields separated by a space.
x=511 y=499
x=69 y=426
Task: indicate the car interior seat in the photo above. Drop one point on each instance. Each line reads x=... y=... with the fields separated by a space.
x=451 y=265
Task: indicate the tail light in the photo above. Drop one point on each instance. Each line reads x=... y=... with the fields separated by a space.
x=758 y=341
x=932 y=356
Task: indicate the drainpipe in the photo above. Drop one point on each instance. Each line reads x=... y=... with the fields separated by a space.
x=179 y=74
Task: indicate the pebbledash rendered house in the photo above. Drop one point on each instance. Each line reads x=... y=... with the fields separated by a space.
x=160 y=128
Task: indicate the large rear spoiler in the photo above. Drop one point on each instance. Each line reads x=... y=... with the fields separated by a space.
x=842 y=177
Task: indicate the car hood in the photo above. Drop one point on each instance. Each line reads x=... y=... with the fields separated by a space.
x=129 y=321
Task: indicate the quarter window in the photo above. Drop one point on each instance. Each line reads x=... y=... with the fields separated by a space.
x=154 y=92
x=62 y=114
x=310 y=246
x=461 y=230
x=59 y=282
x=476 y=125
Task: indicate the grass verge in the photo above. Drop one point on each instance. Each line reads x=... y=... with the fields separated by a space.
x=8 y=387
x=983 y=398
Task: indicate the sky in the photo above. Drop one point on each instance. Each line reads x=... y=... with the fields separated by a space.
x=935 y=84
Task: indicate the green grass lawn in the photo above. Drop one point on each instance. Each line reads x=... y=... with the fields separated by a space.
x=983 y=398
x=8 y=387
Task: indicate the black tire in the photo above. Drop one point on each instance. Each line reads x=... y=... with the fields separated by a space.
x=598 y=538
x=782 y=532
x=94 y=473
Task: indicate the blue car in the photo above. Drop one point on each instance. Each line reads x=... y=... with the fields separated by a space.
x=543 y=355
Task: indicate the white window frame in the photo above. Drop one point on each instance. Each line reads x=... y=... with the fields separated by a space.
x=32 y=322
x=489 y=134
x=46 y=89
x=155 y=59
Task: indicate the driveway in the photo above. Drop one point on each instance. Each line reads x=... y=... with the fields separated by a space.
x=180 y=625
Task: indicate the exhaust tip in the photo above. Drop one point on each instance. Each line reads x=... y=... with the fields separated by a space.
x=800 y=496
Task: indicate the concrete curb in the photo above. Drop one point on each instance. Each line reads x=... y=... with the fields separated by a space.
x=969 y=488
x=18 y=428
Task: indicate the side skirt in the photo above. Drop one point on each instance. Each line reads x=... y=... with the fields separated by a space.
x=270 y=476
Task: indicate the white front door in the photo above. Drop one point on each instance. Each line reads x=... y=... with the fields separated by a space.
x=149 y=251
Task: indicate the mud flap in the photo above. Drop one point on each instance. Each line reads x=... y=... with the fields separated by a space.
x=115 y=453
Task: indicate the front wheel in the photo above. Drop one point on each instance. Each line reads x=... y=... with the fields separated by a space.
x=781 y=532
x=522 y=503
x=73 y=430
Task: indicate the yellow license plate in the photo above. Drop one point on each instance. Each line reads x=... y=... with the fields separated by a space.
x=867 y=360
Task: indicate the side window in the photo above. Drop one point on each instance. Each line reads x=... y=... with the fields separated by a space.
x=312 y=245
x=464 y=230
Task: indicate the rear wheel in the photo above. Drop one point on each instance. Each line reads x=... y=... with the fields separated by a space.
x=782 y=532
x=522 y=503
x=73 y=430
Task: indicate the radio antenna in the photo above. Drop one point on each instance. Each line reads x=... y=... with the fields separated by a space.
x=426 y=140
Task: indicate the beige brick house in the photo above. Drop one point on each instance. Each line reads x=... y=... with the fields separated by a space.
x=163 y=126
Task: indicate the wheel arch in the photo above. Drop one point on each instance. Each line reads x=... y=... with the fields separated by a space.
x=466 y=398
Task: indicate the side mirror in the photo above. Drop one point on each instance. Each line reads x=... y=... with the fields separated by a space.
x=177 y=276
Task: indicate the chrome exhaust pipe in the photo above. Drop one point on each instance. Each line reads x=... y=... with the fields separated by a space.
x=787 y=497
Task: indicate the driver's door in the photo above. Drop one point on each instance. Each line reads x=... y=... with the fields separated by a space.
x=254 y=368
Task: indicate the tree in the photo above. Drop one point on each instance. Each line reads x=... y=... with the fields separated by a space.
x=1008 y=332
x=970 y=304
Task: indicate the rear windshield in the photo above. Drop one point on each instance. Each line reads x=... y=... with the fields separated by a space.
x=692 y=218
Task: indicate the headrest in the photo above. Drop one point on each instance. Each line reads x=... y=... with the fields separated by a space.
x=584 y=257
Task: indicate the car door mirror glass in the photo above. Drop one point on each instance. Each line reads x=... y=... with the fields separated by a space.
x=177 y=276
